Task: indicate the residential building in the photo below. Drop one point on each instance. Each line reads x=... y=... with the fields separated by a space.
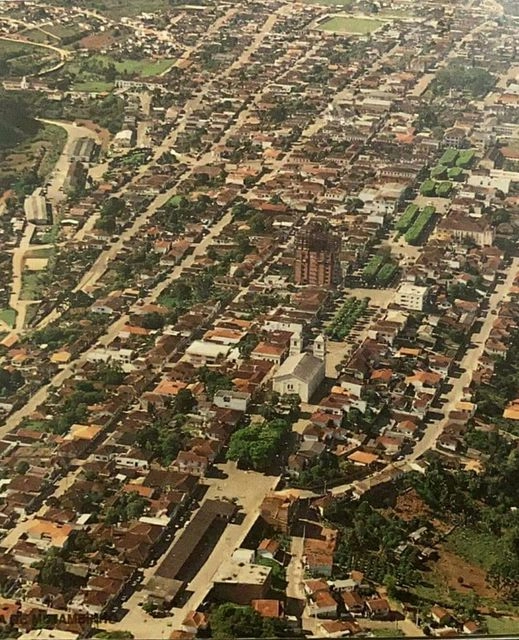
x=412 y=297
x=317 y=256
x=228 y=399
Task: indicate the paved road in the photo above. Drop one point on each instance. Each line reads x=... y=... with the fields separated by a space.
x=468 y=364
x=106 y=257
x=15 y=418
x=55 y=192
x=20 y=306
x=55 y=196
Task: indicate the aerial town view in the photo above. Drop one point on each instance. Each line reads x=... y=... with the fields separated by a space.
x=259 y=319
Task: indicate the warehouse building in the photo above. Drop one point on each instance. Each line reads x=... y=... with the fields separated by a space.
x=36 y=209
x=82 y=150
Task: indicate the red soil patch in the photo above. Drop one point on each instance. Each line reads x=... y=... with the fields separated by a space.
x=103 y=134
x=97 y=41
x=452 y=567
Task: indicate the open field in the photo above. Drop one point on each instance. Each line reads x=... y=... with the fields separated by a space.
x=53 y=139
x=96 y=74
x=93 y=86
x=463 y=576
x=97 y=41
x=478 y=548
x=37 y=35
x=461 y=568
x=64 y=31
x=9 y=48
x=24 y=59
x=8 y=316
x=501 y=626
x=31 y=286
x=120 y=8
x=331 y=3
x=346 y=24
x=142 y=68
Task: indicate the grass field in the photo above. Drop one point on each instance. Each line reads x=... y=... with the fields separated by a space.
x=481 y=549
x=345 y=24
x=331 y=3
x=93 y=86
x=10 y=48
x=501 y=626
x=37 y=35
x=53 y=139
x=142 y=68
x=93 y=79
x=119 y=8
x=46 y=252
x=64 y=30
x=384 y=632
x=22 y=59
x=30 y=286
x=8 y=316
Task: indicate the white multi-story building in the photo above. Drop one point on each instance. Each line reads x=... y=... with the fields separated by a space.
x=411 y=296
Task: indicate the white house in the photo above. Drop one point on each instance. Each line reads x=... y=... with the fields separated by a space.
x=237 y=400
x=411 y=296
x=202 y=352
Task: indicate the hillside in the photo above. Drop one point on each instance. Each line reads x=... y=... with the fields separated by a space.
x=16 y=123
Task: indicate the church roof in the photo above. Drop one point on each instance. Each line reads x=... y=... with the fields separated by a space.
x=303 y=366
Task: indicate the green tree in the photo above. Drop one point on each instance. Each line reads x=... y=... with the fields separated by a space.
x=184 y=401
x=22 y=467
x=213 y=380
x=230 y=621
x=152 y=321
x=390 y=582
x=257 y=445
x=52 y=569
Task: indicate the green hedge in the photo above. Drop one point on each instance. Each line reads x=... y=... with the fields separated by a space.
x=415 y=232
x=386 y=274
x=439 y=171
x=370 y=270
x=449 y=157
x=443 y=189
x=455 y=173
x=428 y=188
x=407 y=218
x=465 y=158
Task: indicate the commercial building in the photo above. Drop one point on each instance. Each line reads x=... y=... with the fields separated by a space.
x=82 y=150
x=190 y=548
x=464 y=227
x=317 y=259
x=36 y=209
x=240 y=582
x=412 y=297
